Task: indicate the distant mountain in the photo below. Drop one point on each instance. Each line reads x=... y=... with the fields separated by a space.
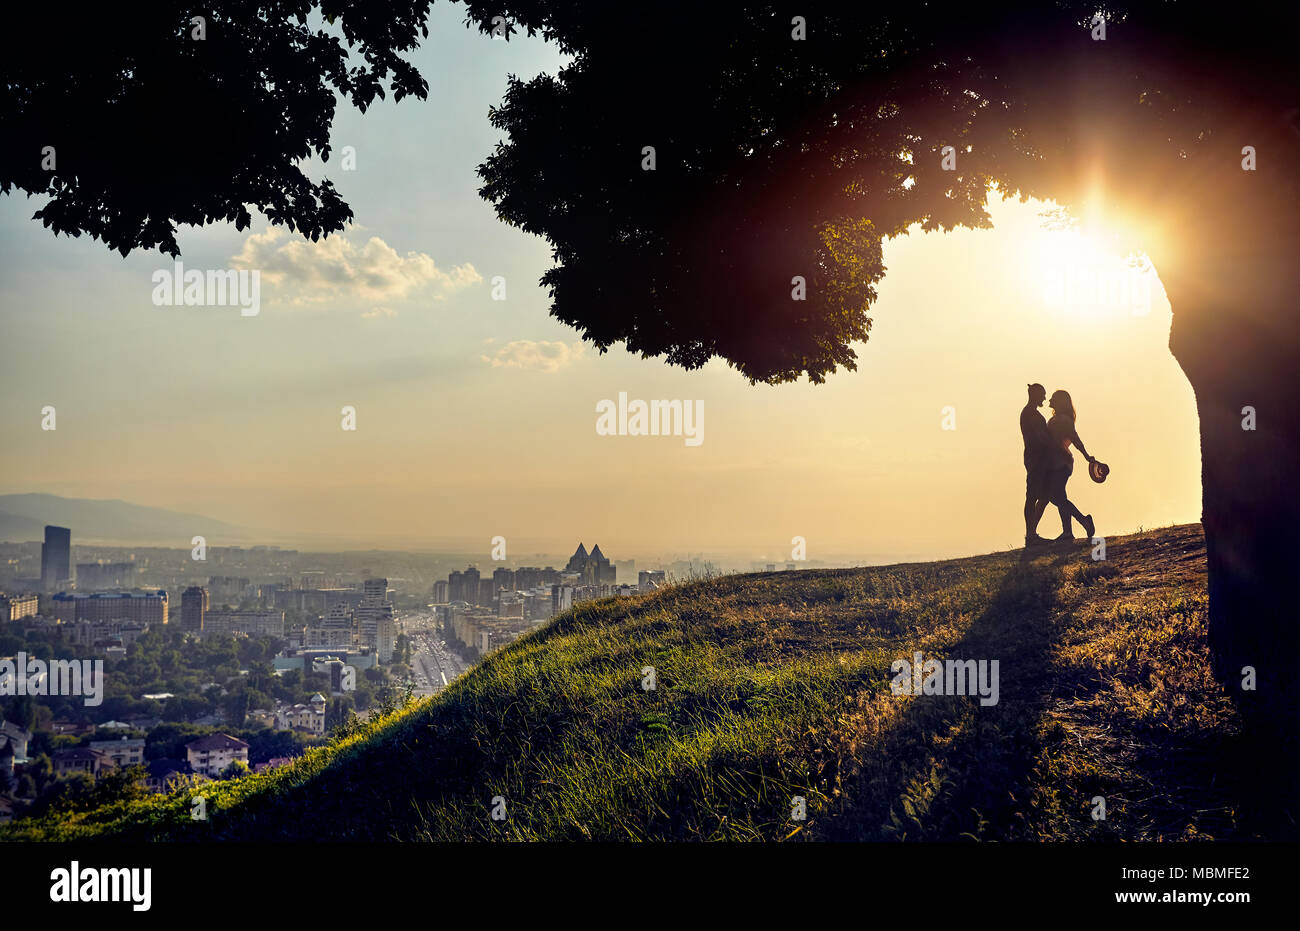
x=23 y=518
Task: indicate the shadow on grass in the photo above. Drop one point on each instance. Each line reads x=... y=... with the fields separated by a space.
x=950 y=768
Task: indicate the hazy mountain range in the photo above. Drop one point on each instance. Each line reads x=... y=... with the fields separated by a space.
x=120 y=523
x=114 y=522
x=23 y=518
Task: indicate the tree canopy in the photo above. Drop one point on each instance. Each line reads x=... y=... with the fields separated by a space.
x=787 y=144
x=790 y=145
x=133 y=120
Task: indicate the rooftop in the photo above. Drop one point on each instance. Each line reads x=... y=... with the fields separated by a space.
x=216 y=742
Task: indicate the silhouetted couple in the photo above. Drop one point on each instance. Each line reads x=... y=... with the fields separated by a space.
x=1049 y=462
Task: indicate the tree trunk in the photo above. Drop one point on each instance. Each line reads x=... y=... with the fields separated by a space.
x=1236 y=315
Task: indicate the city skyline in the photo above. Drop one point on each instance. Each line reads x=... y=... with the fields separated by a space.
x=519 y=551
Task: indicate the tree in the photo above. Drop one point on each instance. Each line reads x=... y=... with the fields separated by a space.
x=22 y=710
x=72 y=793
x=41 y=769
x=266 y=743
x=337 y=713
x=84 y=111
x=167 y=741
x=779 y=157
x=234 y=770
x=261 y=675
x=82 y=792
x=235 y=707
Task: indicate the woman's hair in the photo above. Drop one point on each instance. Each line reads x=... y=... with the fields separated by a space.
x=1063 y=405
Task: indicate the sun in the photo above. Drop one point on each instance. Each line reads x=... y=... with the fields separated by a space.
x=1086 y=269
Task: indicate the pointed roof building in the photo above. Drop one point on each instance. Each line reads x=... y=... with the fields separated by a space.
x=594 y=568
x=577 y=560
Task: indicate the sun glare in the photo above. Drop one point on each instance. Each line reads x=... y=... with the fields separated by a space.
x=1085 y=270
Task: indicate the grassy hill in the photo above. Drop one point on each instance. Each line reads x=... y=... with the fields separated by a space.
x=776 y=685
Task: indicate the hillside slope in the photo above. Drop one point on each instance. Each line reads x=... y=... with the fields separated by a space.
x=776 y=685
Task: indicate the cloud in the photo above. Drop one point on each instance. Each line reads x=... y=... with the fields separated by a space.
x=543 y=356
x=336 y=267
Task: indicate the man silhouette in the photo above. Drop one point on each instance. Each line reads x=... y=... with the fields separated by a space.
x=1038 y=444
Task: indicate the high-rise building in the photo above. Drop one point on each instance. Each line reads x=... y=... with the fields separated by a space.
x=326 y=637
x=228 y=588
x=194 y=608
x=56 y=559
x=593 y=568
x=369 y=616
x=530 y=577
x=510 y=603
x=250 y=623
x=374 y=611
x=99 y=575
x=336 y=628
x=502 y=580
x=471 y=585
x=648 y=580
x=561 y=598
x=385 y=637
x=147 y=607
x=374 y=590
x=15 y=607
x=338 y=617
x=577 y=560
x=440 y=592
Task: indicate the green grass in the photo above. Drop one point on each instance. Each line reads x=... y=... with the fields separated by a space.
x=776 y=685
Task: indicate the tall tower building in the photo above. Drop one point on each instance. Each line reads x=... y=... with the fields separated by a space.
x=502 y=579
x=385 y=637
x=471 y=584
x=194 y=607
x=373 y=611
x=594 y=567
x=578 y=560
x=56 y=558
x=374 y=590
x=599 y=570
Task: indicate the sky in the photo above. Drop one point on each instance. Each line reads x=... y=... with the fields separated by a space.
x=476 y=417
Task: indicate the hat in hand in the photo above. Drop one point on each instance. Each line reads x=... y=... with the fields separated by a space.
x=1098 y=470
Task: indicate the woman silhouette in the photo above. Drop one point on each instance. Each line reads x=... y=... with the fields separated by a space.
x=1063 y=433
